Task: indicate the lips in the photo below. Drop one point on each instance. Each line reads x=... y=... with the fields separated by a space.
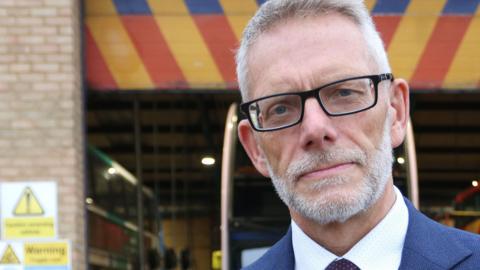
x=327 y=171
x=318 y=165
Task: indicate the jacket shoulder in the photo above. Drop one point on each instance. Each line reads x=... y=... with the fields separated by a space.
x=279 y=256
x=431 y=245
x=468 y=240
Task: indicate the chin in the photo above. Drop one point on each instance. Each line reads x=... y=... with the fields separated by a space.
x=334 y=207
x=327 y=203
x=328 y=189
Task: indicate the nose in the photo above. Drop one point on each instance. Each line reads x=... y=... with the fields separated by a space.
x=317 y=129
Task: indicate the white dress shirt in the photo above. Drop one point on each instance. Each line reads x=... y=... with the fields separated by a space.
x=380 y=249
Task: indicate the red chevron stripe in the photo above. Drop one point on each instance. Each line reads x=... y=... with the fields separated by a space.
x=98 y=75
x=154 y=51
x=440 y=51
x=221 y=42
x=386 y=25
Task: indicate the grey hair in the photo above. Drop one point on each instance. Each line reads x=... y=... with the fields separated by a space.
x=274 y=11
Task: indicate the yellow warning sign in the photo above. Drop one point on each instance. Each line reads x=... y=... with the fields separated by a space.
x=18 y=228
x=28 y=204
x=43 y=254
x=9 y=256
x=28 y=210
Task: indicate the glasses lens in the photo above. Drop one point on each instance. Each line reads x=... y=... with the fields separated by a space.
x=275 y=112
x=348 y=96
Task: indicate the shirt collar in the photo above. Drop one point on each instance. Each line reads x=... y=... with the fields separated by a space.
x=381 y=248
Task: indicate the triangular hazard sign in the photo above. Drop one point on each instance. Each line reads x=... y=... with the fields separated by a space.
x=28 y=204
x=9 y=256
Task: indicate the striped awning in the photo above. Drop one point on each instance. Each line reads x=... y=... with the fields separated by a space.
x=189 y=44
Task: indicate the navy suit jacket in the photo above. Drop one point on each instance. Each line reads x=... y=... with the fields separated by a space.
x=428 y=246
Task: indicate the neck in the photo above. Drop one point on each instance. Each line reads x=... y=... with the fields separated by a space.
x=339 y=238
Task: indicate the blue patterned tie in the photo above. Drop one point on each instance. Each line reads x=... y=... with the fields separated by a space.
x=342 y=264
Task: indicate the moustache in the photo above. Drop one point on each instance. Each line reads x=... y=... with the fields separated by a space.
x=319 y=159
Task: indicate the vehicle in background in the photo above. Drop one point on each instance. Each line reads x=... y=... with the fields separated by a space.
x=112 y=216
x=466 y=215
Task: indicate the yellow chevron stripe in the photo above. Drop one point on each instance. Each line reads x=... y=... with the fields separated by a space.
x=100 y=7
x=186 y=44
x=119 y=53
x=168 y=7
x=238 y=14
x=370 y=4
x=464 y=72
x=412 y=35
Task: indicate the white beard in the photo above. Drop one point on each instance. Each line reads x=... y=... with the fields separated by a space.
x=340 y=206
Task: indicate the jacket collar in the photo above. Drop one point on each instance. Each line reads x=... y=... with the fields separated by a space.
x=428 y=245
x=284 y=259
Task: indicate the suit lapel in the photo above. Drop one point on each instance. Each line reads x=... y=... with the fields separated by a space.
x=429 y=245
x=283 y=257
x=278 y=257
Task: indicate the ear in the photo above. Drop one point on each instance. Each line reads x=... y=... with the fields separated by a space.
x=400 y=105
x=254 y=152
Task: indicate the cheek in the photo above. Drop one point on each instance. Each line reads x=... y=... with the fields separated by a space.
x=366 y=131
x=278 y=150
x=373 y=135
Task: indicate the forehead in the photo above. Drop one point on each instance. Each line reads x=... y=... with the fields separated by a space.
x=304 y=53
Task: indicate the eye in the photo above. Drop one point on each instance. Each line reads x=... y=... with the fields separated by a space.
x=279 y=109
x=345 y=92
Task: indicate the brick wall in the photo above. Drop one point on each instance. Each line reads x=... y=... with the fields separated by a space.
x=41 y=135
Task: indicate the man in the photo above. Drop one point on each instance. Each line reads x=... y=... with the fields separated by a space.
x=323 y=113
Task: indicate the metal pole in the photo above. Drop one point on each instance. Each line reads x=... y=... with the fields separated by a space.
x=412 y=170
x=158 y=219
x=138 y=162
x=173 y=176
x=228 y=158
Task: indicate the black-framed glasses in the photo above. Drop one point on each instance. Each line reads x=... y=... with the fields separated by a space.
x=343 y=97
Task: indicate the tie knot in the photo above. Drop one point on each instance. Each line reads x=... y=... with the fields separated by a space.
x=342 y=264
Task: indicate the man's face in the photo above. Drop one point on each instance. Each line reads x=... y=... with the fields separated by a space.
x=324 y=165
